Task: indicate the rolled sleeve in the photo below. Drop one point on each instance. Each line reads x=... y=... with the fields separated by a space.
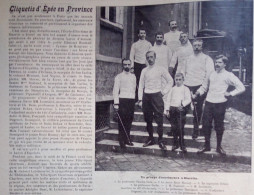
x=132 y=53
x=173 y=60
x=169 y=84
x=168 y=100
x=116 y=90
x=141 y=85
x=187 y=97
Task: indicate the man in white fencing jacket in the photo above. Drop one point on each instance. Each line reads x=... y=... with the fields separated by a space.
x=150 y=96
x=181 y=54
x=138 y=55
x=215 y=106
x=197 y=69
x=124 y=102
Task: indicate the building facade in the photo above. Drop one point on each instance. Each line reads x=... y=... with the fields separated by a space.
x=116 y=30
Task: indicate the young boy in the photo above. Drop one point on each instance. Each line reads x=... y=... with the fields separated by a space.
x=176 y=107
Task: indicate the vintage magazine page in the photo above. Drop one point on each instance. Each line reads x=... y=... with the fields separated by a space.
x=126 y=97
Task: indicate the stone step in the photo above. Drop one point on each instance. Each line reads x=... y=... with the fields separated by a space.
x=141 y=126
x=138 y=109
x=112 y=145
x=139 y=117
x=141 y=137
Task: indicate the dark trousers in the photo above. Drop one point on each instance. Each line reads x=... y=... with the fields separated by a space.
x=126 y=113
x=177 y=121
x=137 y=71
x=197 y=112
x=153 y=107
x=216 y=112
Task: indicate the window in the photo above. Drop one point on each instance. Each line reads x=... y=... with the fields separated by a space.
x=103 y=12
x=113 y=15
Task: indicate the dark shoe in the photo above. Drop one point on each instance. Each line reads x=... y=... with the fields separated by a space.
x=129 y=143
x=184 y=149
x=174 y=148
x=162 y=146
x=148 y=143
x=170 y=133
x=204 y=149
x=221 y=151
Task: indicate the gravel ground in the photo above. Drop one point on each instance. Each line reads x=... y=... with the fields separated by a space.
x=109 y=161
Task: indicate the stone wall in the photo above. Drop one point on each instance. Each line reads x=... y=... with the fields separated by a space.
x=105 y=74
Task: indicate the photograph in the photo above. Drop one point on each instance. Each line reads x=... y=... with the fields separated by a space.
x=174 y=87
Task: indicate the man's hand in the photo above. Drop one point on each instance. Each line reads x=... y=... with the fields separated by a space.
x=192 y=106
x=140 y=103
x=116 y=107
x=180 y=108
x=194 y=96
x=167 y=113
x=227 y=94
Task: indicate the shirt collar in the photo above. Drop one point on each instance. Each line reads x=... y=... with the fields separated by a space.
x=222 y=71
x=124 y=72
x=180 y=86
x=199 y=54
x=140 y=40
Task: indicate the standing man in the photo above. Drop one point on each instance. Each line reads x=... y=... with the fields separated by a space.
x=124 y=102
x=215 y=105
x=163 y=53
x=171 y=38
x=150 y=97
x=197 y=69
x=181 y=54
x=137 y=55
x=163 y=56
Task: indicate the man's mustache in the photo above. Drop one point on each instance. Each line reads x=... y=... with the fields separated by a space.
x=127 y=69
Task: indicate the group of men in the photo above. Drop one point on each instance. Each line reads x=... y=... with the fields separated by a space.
x=152 y=88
